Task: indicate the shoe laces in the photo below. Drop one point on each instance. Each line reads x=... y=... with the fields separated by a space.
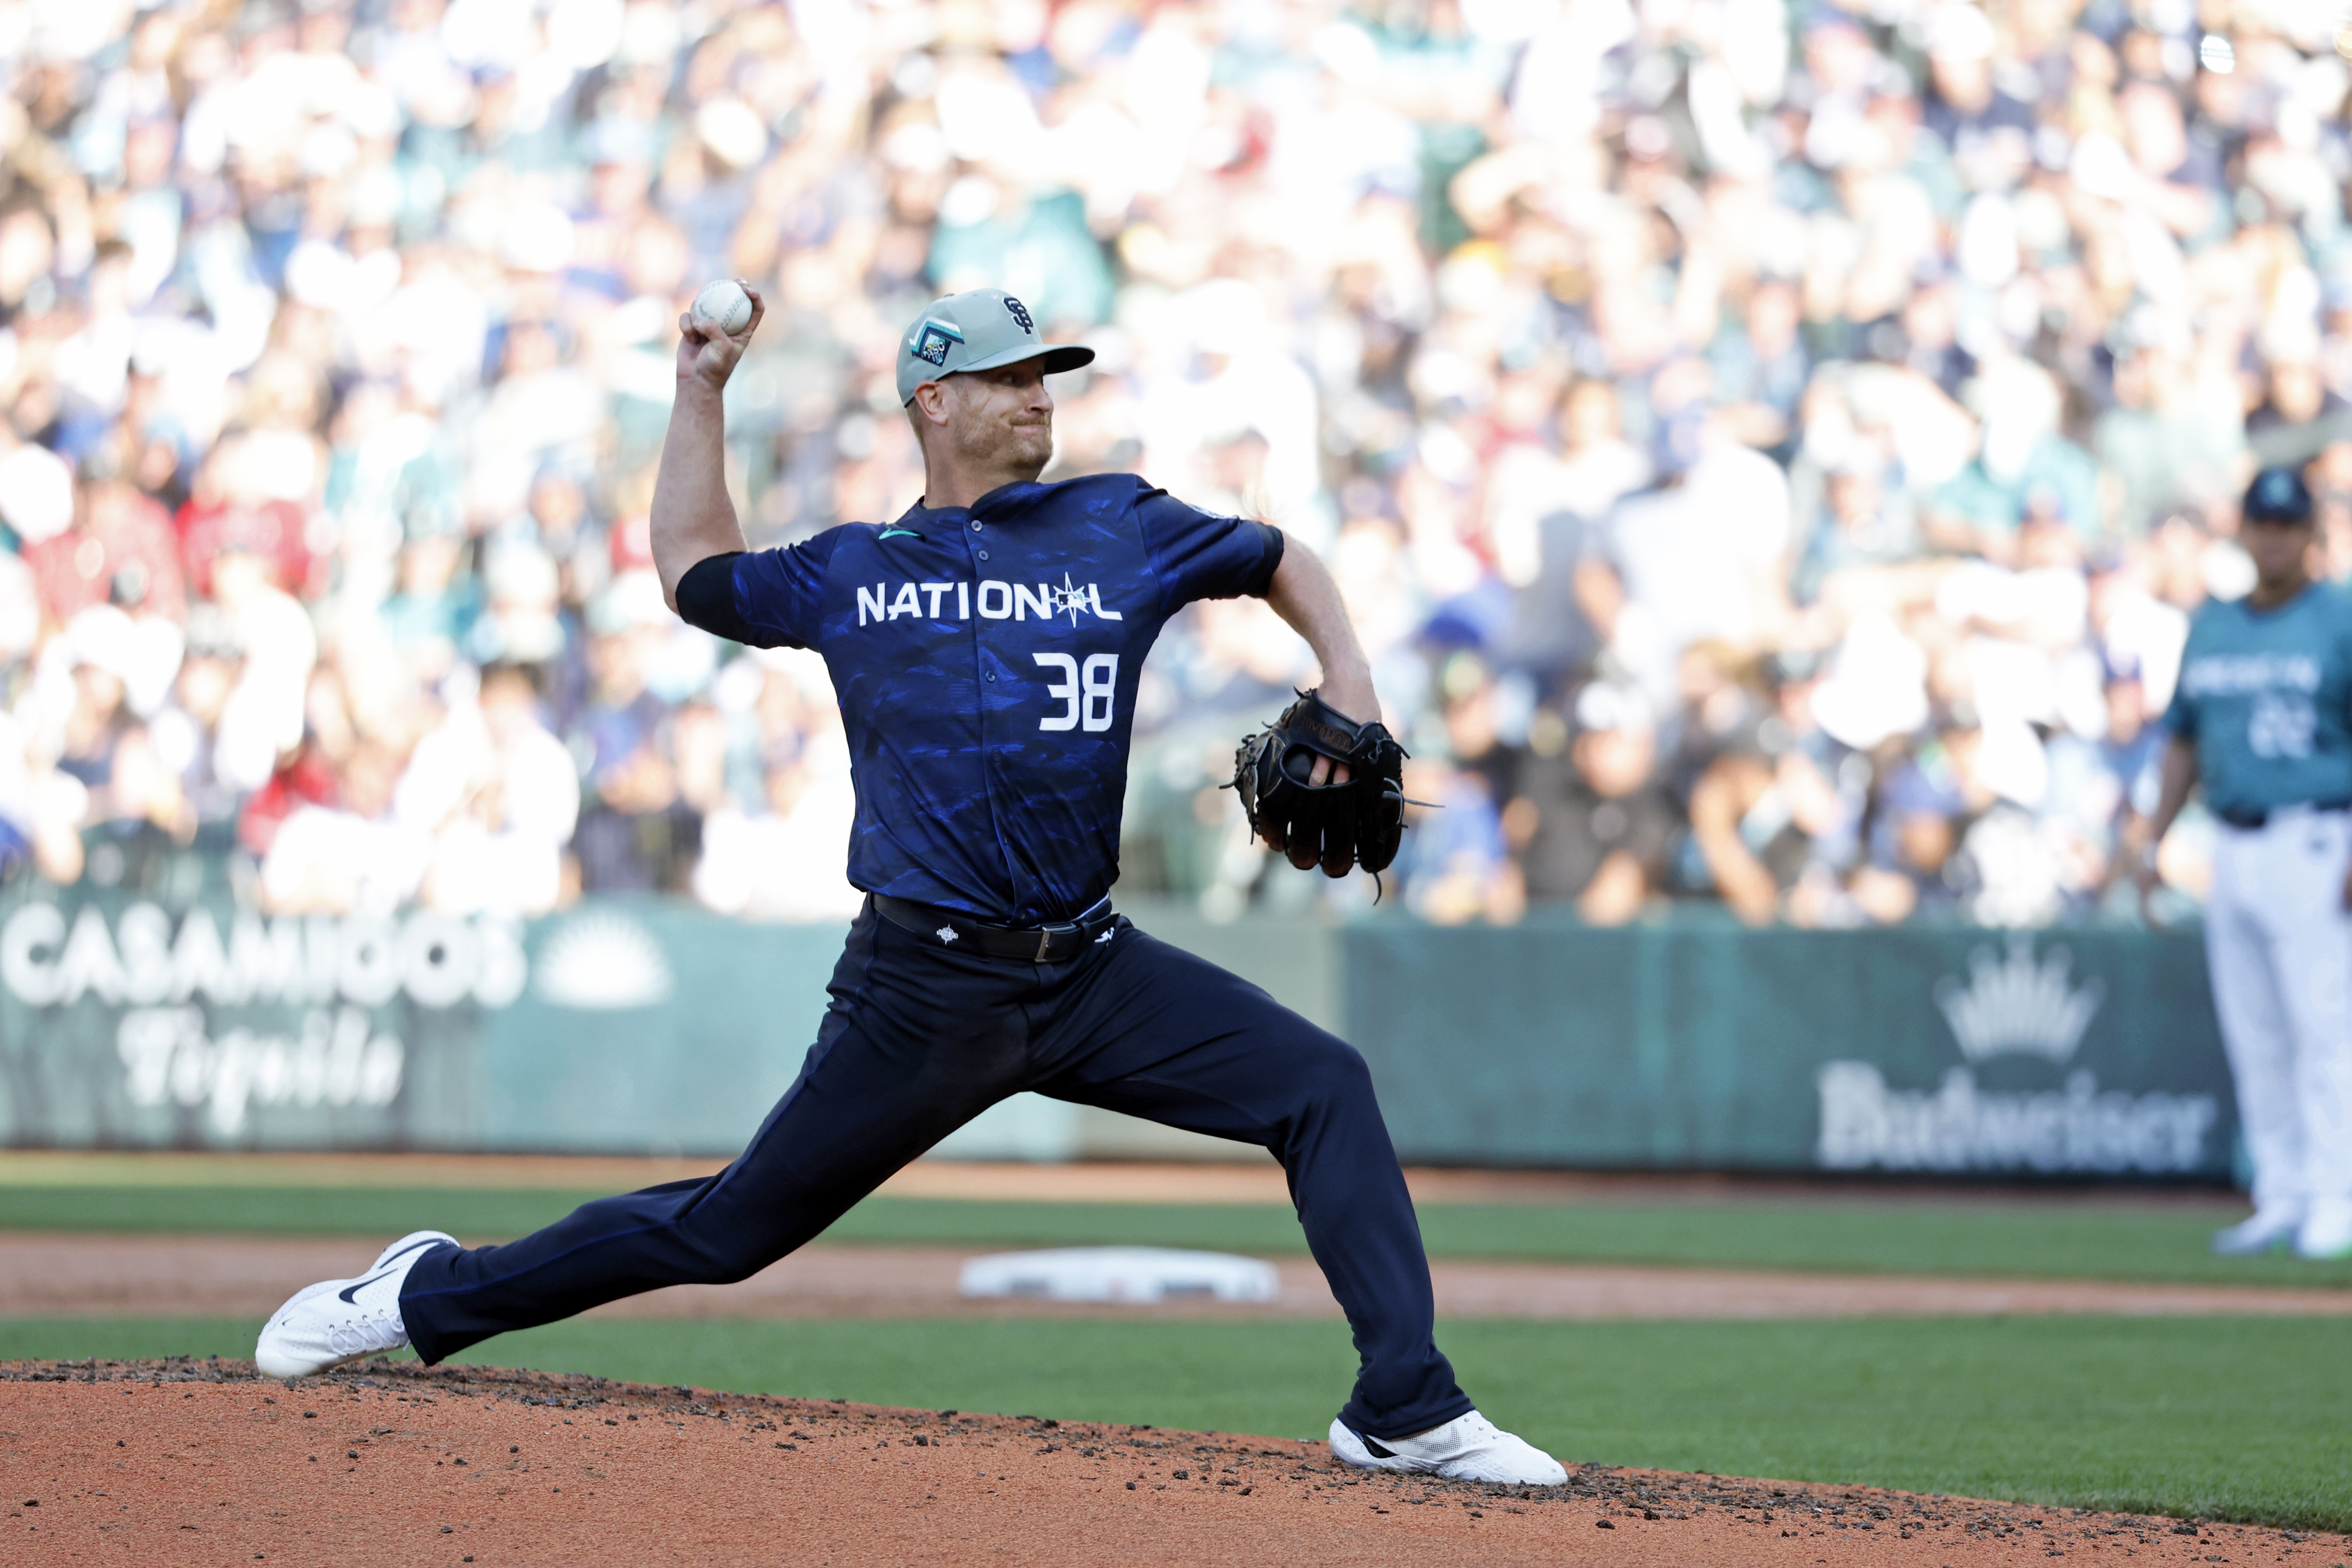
x=1457 y=1438
x=379 y=1330
x=1475 y=1428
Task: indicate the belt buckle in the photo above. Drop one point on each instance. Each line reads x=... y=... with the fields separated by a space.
x=1045 y=935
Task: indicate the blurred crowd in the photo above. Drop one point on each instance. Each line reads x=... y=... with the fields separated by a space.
x=1772 y=450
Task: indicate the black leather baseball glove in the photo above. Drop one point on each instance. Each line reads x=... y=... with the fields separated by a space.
x=1337 y=825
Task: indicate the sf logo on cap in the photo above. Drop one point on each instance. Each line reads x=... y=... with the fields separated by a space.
x=1020 y=314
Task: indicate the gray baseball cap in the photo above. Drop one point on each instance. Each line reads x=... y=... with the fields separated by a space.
x=979 y=328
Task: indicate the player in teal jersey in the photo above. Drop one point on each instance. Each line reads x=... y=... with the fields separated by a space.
x=2263 y=719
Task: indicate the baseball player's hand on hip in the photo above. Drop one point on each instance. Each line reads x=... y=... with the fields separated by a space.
x=708 y=355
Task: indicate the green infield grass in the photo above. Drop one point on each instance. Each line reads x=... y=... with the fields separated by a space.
x=2005 y=1236
x=488 y=1214
x=2223 y=1418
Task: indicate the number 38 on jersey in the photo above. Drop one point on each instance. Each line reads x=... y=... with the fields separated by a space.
x=1084 y=693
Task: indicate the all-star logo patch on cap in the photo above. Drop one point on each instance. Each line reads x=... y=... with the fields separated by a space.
x=979 y=328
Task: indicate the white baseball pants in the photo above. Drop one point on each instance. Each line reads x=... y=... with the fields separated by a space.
x=2279 y=944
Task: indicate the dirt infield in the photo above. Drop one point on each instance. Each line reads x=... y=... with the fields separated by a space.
x=52 y=1274
x=204 y=1462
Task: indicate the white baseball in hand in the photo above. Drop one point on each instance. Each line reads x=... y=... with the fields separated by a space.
x=723 y=305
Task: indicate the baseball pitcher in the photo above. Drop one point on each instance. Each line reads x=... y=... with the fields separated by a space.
x=985 y=647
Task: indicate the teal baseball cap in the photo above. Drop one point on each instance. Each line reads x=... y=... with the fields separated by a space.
x=979 y=329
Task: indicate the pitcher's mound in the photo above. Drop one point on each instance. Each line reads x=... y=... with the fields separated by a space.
x=203 y=1462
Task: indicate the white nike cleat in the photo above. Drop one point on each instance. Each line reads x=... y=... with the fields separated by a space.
x=1467 y=1448
x=2263 y=1231
x=339 y=1319
x=2326 y=1231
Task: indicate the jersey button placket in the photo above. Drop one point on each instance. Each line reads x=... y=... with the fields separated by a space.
x=983 y=656
x=979 y=651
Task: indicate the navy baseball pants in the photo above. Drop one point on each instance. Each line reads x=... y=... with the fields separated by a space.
x=918 y=1040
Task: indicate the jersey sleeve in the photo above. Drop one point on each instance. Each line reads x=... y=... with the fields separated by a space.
x=766 y=598
x=1199 y=556
x=2343 y=651
x=2180 y=717
x=2180 y=714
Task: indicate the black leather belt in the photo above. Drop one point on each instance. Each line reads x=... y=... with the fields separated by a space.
x=1032 y=945
x=2249 y=820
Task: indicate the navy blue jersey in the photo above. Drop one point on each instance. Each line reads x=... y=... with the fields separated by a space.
x=986 y=662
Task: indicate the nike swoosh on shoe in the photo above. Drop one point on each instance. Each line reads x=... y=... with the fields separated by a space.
x=356 y=1286
x=348 y=1291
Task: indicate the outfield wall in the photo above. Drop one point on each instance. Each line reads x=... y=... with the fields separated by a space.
x=646 y=1026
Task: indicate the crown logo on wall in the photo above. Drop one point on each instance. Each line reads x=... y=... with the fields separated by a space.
x=2013 y=1005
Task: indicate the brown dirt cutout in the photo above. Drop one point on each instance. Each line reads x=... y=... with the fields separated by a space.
x=203 y=1461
